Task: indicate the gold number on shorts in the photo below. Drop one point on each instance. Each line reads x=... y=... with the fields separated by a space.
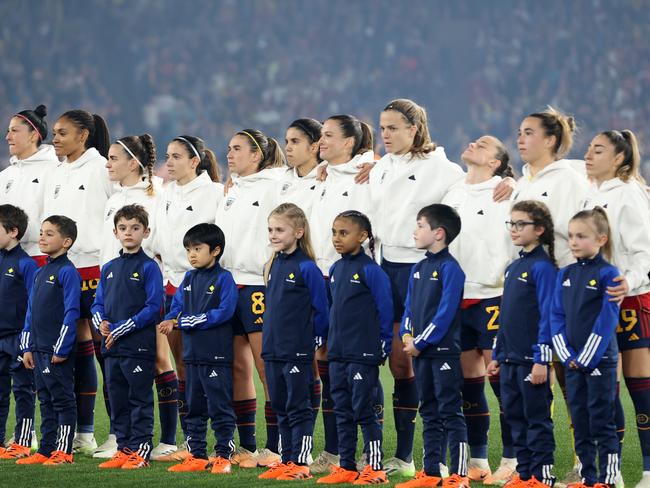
x=629 y=318
x=492 y=323
x=89 y=285
x=258 y=302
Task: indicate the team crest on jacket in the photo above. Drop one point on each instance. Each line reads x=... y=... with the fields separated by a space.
x=135 y=276
x=167 y=205
x=57 y=189
x=50 y=280
x=355 y=278
x=8 y=185
x=290 y=278
x=523 y=277
x=229 y=202
x=210 y=290
x=110 y=212
x=434 y=276
x=592 y=285
x=285 y=187
x=322 y=194
x=383 y=175
x=10 y=273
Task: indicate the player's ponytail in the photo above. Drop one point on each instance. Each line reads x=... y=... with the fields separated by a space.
x=195 y=147
x=360 y=131
x=414 y=115
x=143 y=150
x=501 y=154
x=271 y=155
x=626 y=143
x=98 y=136
x=560 y=126
x=540 y=215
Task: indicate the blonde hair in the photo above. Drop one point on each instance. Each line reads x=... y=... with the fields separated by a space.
x=600 y=223
x=556 y=123
x=298 y=220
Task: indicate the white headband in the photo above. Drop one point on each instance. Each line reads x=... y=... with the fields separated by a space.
x=131 y=153
x=196 y=153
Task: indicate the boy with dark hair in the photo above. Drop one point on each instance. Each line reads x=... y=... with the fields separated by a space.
x=125 y=312
x=430 y=332
x=202 y=309
x=17 y=272
x=48 y=340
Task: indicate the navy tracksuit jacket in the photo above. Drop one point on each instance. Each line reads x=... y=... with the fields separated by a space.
x=17 y=272
x=524 y=339
x=203 y=306
x=432 y=318
x=129 y=297
x=50 y=329
x=360 y=337
x=583 y=327
x=295 y=322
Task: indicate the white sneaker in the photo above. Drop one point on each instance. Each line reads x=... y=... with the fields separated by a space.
x=84 y=443
x=324 y=462
x=444 y=471
x=108 y=449
x=362 y=462
x=507 y=468
x=644 y=482
x=162 y=450
x=395 y=466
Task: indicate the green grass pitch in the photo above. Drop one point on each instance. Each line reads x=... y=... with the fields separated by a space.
x=85 y=472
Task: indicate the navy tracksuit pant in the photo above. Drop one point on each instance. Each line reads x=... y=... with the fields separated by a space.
x=55 y=388
x=208 y=390
x=129 y=382
x=15 y=377
x=353 y=388
x=289 y=386
x=440 y=383
x=527 y=409
x=591 y=396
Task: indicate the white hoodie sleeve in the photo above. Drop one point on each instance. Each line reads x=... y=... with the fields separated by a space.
x=633 y=223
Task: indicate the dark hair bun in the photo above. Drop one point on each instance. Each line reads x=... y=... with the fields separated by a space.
x=41 y=111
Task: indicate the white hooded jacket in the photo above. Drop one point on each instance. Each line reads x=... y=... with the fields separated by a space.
x=179 y=208
x=79 y=190
x=628 y=209
x=483 y=247
x=300 y=190
x=401 y=185
x=22 y=184
x=129 y=195
x=563 y=190
x=243 y=217
x=337 y=193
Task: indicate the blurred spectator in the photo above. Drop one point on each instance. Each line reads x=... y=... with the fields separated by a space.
x=209 y=68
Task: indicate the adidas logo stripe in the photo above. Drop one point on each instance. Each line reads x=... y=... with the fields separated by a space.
x=137 y=369
x=213 y=374
x=357 y=376
x=445 y=367
x=294 y=370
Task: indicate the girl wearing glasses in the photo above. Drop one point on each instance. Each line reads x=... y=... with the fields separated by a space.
x=522 y=350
